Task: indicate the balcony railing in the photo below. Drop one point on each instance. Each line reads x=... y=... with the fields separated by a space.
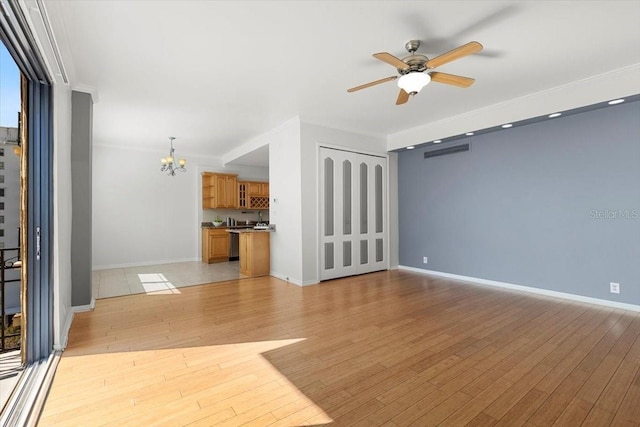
x=10 y=266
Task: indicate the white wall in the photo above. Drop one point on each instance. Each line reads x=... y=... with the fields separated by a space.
x=284 y=208
x=142 y=216
x=293 y=184
x=62 y=212
x=312 y=137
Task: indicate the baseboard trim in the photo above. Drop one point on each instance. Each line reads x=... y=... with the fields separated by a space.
x=86 y=307
x=529 y=289
x=67 y=324
x=286 y=278
x=142 y=264
x=64 y=334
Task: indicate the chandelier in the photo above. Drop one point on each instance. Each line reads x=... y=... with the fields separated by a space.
x=169 y=163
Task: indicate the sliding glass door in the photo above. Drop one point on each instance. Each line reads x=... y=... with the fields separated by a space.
x=35 y=148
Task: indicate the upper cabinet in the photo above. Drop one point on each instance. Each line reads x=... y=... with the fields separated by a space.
x=253 y=195
x=260 y=189
x=219 y=190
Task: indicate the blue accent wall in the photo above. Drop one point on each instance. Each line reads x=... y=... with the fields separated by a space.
x=552 y=205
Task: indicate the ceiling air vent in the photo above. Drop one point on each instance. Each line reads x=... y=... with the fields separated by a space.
x=444 y=151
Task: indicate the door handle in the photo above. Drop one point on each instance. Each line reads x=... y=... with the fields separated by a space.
x=38 y=243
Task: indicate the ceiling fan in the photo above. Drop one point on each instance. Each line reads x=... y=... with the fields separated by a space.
x=413 y=69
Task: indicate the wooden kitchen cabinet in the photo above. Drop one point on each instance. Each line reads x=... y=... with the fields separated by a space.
x=259 y=189
x=219 y=190
x=255 y=259
x=243 y=195
x=215 y=245
x=253 y=195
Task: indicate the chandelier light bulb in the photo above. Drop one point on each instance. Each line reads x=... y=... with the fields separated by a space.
x=413 y=82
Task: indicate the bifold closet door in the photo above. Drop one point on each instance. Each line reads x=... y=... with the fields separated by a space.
x=353 y=236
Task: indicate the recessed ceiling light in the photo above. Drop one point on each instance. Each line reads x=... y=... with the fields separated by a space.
x=411 y=147
x=469 y=133
x=507 y=125
x=437 y=141
x=616 y=101
x=554 y=115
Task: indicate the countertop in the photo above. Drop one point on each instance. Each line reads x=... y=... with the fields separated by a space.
x=209 y=225
x=240 y=228
x=246 y=230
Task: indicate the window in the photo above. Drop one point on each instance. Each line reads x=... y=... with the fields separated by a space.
x=1 y=192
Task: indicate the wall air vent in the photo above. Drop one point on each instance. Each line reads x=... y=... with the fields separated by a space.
x=444 y=151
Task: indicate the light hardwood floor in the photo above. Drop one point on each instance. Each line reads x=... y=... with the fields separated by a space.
x=390 y=348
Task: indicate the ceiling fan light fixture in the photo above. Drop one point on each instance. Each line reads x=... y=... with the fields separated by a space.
x=413 y=82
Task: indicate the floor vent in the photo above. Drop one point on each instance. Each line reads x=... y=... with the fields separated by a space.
x=444 y=151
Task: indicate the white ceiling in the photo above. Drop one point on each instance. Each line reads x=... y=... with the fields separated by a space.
x=215 y=74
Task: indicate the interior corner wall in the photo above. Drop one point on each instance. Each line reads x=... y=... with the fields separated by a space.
x=552 y=205
x=312 y=136
x=81 y=147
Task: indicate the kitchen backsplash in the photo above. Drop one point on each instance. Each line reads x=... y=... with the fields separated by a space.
x=208 y=215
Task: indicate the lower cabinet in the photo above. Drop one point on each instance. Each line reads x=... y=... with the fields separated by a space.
x=215 y=245
x=255 y=259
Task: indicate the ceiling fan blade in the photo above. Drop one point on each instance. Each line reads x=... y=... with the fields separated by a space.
x=391 y=60
x=452 y=55
x=377 y=82
x=451 y=79
x=403 y=97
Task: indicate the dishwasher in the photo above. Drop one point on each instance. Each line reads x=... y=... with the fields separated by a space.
x=234 y=246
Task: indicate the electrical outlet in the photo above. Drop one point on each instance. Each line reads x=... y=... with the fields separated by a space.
x=614 y=287
x=425 y=259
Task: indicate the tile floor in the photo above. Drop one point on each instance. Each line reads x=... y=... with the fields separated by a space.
x=163 y=278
